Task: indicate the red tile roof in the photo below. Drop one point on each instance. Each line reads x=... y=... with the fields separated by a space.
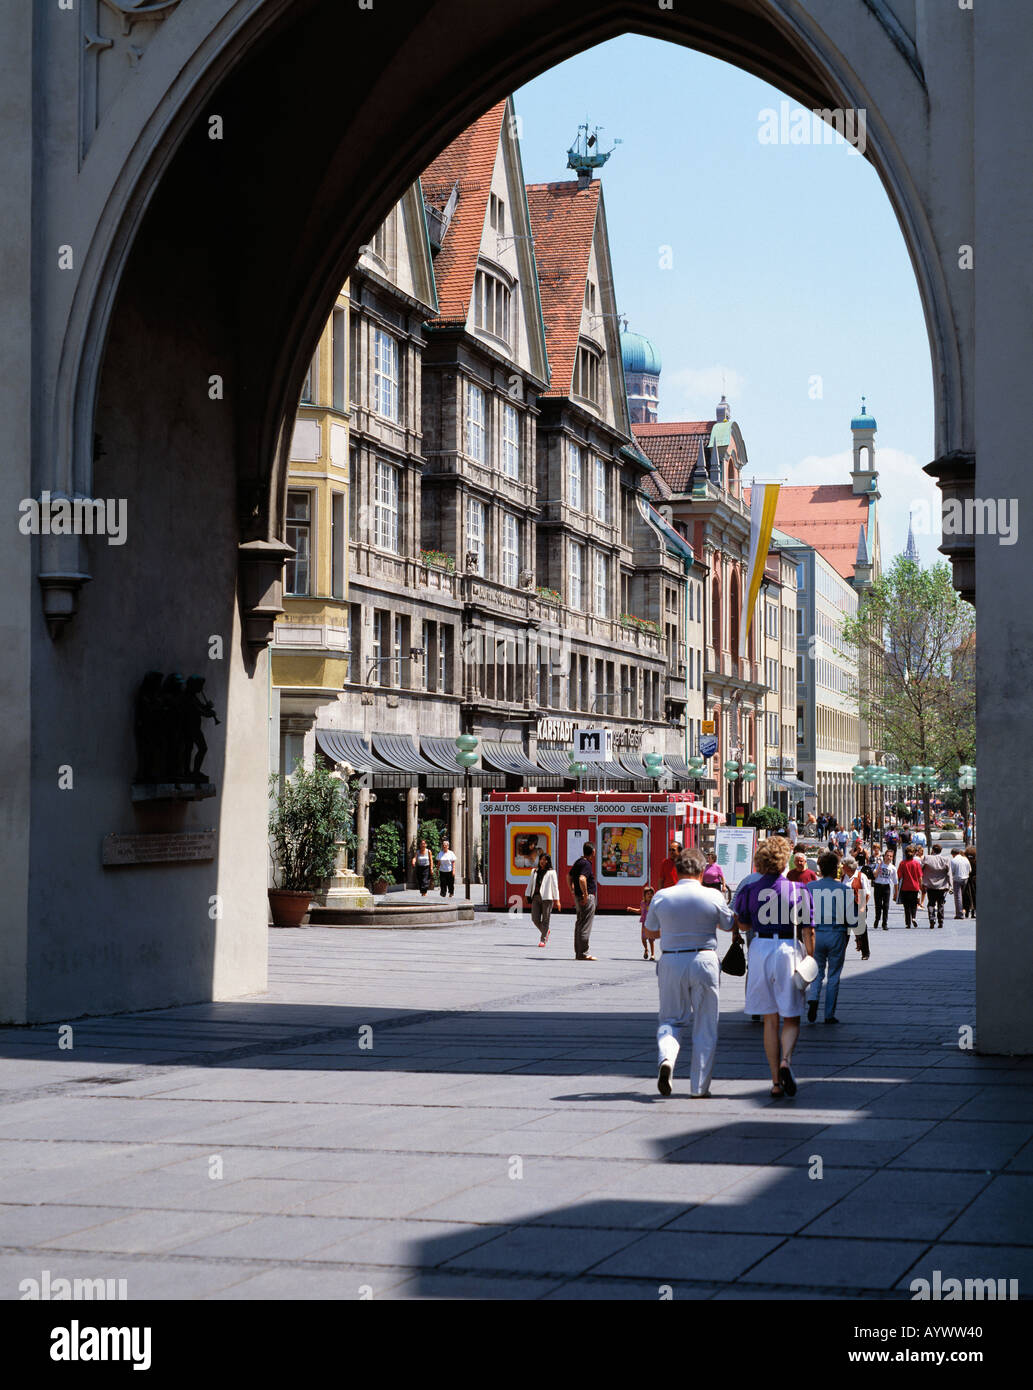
x=563 y=225
x=470 y=160
x=828 y=517
x=674 y=448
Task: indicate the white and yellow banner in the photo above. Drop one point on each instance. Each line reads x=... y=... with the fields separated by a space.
x=763 y=502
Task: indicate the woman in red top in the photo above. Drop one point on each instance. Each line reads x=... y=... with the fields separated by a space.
x=909 y=886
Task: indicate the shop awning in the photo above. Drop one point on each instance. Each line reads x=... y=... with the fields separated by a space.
x=678 y=766
x=344 y=746
x=442 y=752
x=698 y=814
x=398 y=752
x=558 y=764
x=510 y=758
x=792 y=784
x=634 y=767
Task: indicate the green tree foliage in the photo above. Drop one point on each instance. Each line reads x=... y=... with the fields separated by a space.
x=311 y=816
x=768 y=818
x=923 y=707
x=385 y=850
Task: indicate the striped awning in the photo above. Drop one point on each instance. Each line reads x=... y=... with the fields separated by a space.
x=509 y=757
x=679 y=768
x=555 y=762
x=345 y=746
x=634 y=767
x=698 y=814
x=442 y=752
x=398 y=752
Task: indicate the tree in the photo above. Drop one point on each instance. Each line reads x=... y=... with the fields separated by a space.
x=923 y=703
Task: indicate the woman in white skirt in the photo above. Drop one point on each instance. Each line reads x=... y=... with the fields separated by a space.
x=776 y=911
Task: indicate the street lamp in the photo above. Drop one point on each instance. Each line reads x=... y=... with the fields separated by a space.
x=736 y=770
x=466 y=757
x=966 y=784
x=654 y=765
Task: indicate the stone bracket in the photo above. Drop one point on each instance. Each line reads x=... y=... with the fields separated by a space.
x=260 y=573
x=955 y=475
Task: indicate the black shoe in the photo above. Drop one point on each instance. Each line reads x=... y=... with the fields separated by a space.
x=663 y=1080
x=787 y=1081
x=832 y=1020
x=812 y=1010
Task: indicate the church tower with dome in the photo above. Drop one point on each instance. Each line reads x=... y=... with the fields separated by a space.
x=641 y=376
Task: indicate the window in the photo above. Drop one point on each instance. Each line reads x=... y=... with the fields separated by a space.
x=691 y=588
x=386 y=507
x=310 y=385
x=475 y=533
x=378 y=645
x=491 y=305
x=299 y=535
x=476 y=435
x=510 y=442
x=577 y=565
x=380 y=242
x=338 y=333
x=586 y=374
x=801 y=575
x=799 y=622
x=428 y=628
x=353 y=493
x=444 y=658
x=590 y=297
x=510 y=549
x=497 y=214
x=602 y=585
x=396 y=651
x=799 y=724
x=575 y=477
x=337 y=544
x=602 y=496
x=385 y=374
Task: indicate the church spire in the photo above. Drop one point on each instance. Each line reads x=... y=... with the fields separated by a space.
x=911 y=550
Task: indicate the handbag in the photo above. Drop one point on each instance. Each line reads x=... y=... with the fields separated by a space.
x=734 y=962
x=806 y=971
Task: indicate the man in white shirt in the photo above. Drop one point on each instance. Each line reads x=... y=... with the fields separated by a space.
x=961 y=871
x=794 y=831
x=685 y=919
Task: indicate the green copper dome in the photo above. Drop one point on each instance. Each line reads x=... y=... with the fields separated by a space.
x=639 y=354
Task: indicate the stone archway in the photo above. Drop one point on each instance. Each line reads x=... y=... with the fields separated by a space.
x=204 y=259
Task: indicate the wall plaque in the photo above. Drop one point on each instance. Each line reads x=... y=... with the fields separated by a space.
x=178 y=847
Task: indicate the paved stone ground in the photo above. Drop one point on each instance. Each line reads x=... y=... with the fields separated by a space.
x=503 y=1136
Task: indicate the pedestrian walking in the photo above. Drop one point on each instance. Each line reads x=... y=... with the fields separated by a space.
x=447 y=870
x=713 y=875
x=970 y=855
x=669 y=868
x=853 y=873
x=833 y=913
x=842 y=836
x=685 y=920
x=909 y=886
x=774 y=910
x=423 y=868
x=793 y=831
x=961 y=872
x=936 y=882
x=884 y=883
x=800 y=873
x=543 y=895
x=648 y=944
x=582 y=881
x=892 y=839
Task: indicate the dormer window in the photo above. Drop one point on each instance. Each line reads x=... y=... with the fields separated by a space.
x=492 y=299
x=586 y=373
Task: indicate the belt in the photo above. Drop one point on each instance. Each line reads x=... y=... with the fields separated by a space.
x=774 y=936
x=686 y=950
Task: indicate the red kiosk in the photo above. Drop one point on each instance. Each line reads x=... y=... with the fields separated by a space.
x=630 y=831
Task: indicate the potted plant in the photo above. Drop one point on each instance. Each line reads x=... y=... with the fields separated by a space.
x=385 y=850
x=768 y=818
x=311 y=817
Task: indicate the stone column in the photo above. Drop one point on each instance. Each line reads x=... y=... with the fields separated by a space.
x=412 y=813
x=362 y=829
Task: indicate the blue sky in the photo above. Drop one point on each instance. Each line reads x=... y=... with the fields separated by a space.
x=786 y=264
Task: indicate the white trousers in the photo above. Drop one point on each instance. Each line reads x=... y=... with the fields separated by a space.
x=689 y=993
